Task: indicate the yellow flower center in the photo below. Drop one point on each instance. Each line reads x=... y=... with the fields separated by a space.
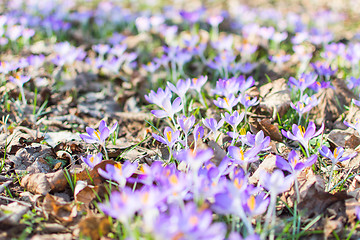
x=242 y=131
x=227 y=101
x=194 y=220
x=251 y=202
x=241 y=152
x=145 y=197
x=194 y=80
x=92 y=159
x=97 y=133
x=302 y=130
x=168 y=136
x=238 y=184
x=173 y=179
x=336 y=153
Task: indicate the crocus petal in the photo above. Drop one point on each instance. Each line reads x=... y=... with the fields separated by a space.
x=283 y=164
x=159 y=113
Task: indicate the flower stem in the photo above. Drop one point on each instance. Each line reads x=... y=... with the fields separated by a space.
x=330 y=179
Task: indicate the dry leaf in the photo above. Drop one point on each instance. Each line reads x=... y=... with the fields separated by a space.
x=63 y=211
x=41 y=183
x=268 y=165
x=94 y=227
x=84 y=193
x=353 y=142
x=277 y=100
x=269 y=129
x=14 y=212
x=338 y=137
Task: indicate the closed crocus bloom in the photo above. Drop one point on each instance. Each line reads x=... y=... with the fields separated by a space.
x=186 y=123
x=276 y=182
x=182 y=86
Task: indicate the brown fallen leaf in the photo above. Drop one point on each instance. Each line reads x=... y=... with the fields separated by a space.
x=276 y=97
x=338 y=137
x=43 y=183
x=84 y=192
x=33 y=158
x=316 y=201
x=269 y=129
x=63 y=211
x=94 y=227
x=353 y=142
x=12 y=213
x=268 y=165
x=331 y=102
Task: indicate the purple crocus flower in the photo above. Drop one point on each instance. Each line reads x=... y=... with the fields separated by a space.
x=119 y=172
x=226 y=87
x=255 y=204
x=355 y=125
x=101 y=49
x=213 y=125
x=305 y=81
x=193 y=16
x=92 y=160
x=280 y=58
x=121 y=206
x=158 y=97
x=194 y=159
x=228 y=102
x=336 y=156
x=303 y=136
x=353 y=82
x=19 y=80
x=293 y=164
x=169 y=109
x=198 y=134
x=258 y=141
x=198 y=83
x=215 y=20
x=301 y=108
x=182 y=86
x=243 y=159
x=186 y=123
x=234 y=119
x=323 y=69
x=170 y=137
x=247 y=102
x=98 y=136
x=189 y=223
x=276 y=182
x=151 y=67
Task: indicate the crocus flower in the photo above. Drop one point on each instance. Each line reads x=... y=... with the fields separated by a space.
x=255 y=204
x=158 y=97
x=19 y=80
x=247 y=102
x=259 y=140
x=119 y=172
x=226 y=87
x=234 y=119
x=215 y=20
x=121 y=206
x=301 y=108
x=198 y=83
x=213 y=125
x=194 y=159
x=189 y=223
x=169 y=109
x=198 y=134
x=355 y=125
x=276 y=182
x=238 y=156
x=92 y=160
x=280 y=58
x=305 y=81
x=186 y=123
x=227 y=103
x=336 y=156
x=303 y=136
x=98 y=136
x=170 y=137
x=293 y=164
x=151 y=67
x=182 y=86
